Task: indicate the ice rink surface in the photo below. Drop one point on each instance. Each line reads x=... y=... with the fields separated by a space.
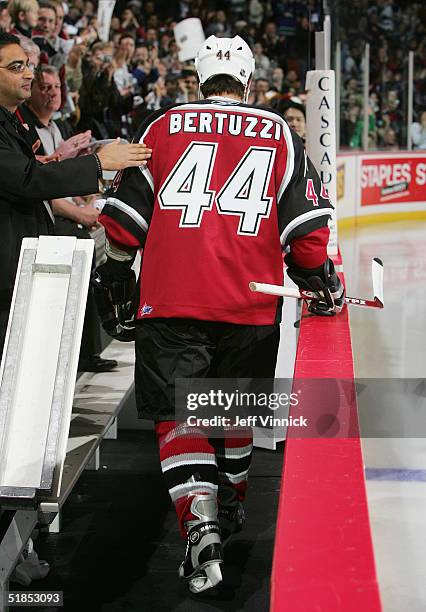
x=390 y=344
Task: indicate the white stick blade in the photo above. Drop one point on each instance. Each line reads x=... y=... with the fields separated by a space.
x=377 y=275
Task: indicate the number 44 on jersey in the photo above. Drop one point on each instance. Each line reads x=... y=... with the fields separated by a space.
x=243 y=193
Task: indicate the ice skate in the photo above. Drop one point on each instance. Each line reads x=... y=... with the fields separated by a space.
x=201 y=567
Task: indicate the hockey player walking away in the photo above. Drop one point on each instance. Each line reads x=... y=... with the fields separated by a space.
x=227 y=189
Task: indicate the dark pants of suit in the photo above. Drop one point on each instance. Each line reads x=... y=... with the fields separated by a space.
x=91 y=339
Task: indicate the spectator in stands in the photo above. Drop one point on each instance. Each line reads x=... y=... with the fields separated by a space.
x=115 y=27
x=163 y=47
x=173 y=93
x=145 y=68
x=190 y=80
x=277 y=79
x=351 y=128
x=274 y=45
x=61 y=41
x=157 y=97
x=122 y=75
x=390 y=141
x=32 y=50
x=352 y=65
x=46 y=22
x=261 y=88
x=218 y=25
x=389 y=121
x=101 y=104
x=151 y=38
x=127 y=43
x=262 y=63
x=418 y=132
x=295 y=115
x=170 y=58
x=5 y=18
x=54 y=136
x=24 y=14
x=44 y=35
x=291 y=83
x=352 y=86
x=130 y=24
x=303 y=45
x=74 y=73
x=256 y=12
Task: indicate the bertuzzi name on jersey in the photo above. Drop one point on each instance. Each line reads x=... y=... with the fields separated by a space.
x=234 y=124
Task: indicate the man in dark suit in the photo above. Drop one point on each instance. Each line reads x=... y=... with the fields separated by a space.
x=26 y=185
x=70 y=219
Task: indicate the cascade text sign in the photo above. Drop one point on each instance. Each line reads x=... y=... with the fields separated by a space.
x=321 y=136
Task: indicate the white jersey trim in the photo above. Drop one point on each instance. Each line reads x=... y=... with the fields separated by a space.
x=146 y=132
x=231 y=107
x=131 y=212
x=312 y=214
x=289 y=170
x=148 y=176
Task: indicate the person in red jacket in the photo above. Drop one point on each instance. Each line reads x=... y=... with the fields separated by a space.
x=228 y=189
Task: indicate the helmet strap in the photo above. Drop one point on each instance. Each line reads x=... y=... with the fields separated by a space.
x=247 y=91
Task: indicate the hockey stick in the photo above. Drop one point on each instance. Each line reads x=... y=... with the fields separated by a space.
x=376 y=273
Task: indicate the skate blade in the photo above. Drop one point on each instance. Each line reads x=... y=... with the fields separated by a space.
x=211 y=576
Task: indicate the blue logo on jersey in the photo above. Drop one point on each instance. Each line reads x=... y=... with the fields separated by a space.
x=146 y=310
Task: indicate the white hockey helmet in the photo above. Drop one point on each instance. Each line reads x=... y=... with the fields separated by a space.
x=230 y=56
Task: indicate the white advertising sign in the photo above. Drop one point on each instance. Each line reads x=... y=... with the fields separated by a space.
x=105 y=10
x=189 y=35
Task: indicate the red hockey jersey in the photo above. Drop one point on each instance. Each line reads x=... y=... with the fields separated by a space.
x=227 y=188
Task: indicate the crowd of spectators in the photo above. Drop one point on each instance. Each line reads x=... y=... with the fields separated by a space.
x=392 y=28
x=109 y=87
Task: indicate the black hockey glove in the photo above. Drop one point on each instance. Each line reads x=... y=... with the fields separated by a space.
x=328 y=291
x=116 y=297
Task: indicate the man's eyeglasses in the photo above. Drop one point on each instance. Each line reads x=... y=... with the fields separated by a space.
x=19 y=67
